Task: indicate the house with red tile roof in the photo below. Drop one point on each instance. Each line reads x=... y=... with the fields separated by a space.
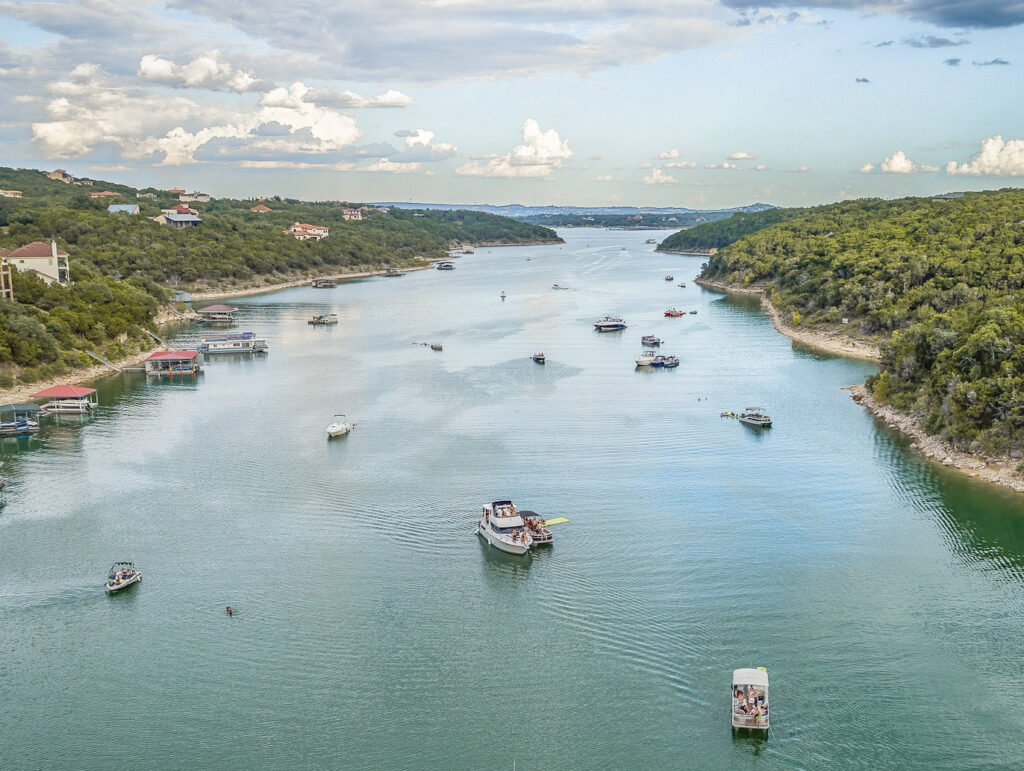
x=44 y=259
x=105 y=194
x=260 y=209
x=306 y=232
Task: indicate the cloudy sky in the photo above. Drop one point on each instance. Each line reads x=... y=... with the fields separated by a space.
x=699 y=103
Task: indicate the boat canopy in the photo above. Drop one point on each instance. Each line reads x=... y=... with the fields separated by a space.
x=753 y=409
x=21 y=408
x=64 y=392
x=497 y=504
x=750 y=677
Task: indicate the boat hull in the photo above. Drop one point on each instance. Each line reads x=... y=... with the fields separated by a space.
x=519 y=548
x=114 y=588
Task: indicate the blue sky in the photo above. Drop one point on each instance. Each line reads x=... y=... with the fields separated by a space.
x=701 y=103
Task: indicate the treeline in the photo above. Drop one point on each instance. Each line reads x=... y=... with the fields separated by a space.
x=721 y=233
x=122 y=264
x=659 y=221
x=937 y=282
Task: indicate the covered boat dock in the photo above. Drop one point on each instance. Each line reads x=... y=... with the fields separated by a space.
x=68 y=398
x=174 y=363
x=217 y=313
x=19 y=419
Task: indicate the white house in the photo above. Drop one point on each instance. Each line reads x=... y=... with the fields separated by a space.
x=305 y=232
x=197 y=197
x=41 y=258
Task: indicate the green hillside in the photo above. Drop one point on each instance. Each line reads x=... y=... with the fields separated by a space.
x=715 y=235
x=937 y=282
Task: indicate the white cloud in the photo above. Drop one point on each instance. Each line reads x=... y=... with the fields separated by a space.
x=207 y=70
x=389 y=166
x=659 y=177
x=898 y=163
x=667 y=155
x=867 y=168
x=996 y=158
x=540 y=153
x=760 y=167
x=681 y=165
x=741 y=156
x=724 y=165
x=604 y=178
x=351 y=100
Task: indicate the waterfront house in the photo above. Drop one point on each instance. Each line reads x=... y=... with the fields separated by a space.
x=178 y=220
x=105 y=194
x=174 y=363
x=217 y=312
x=197 y=197
x=44 y=259
x=10 y=193
x=306 y=232
x=123 y=208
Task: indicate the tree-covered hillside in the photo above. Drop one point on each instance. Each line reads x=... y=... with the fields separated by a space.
x=122 y=265
x=938 y=282
x=720 y=233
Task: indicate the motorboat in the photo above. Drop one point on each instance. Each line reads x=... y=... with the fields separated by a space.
x=502 y=294
x=541 y=535
x=749 y=698
x=674 y=313
x=650 y=340
x=121 y=576
x=669 y=278
x=670 y=362
x=651 y=241
x=339 y=427
x=754 y=416
x=503 y=528
x=394 y=272
x=610 y=324
x=682 y=284
x=436 y=347
x=693 y=313
x=324 y=320
x=538 y=357
x=445 y=266
x=647 y=359
x=323 y=283
x=558 y=286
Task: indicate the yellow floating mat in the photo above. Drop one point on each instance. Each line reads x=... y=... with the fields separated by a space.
x=555 y=521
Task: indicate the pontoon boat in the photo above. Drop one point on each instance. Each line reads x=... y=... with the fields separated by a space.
x=750 y=699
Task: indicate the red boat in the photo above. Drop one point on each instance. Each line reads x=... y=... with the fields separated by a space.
x=673 y=312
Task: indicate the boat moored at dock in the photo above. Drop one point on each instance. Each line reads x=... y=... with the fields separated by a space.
x=446 y=266
x=68 y=398
x=502 y=527
x=19 y=419
x=323 y=283
x=174 y=363
x=238 y=342
x=610 y=324
x=217 y=313
x=750 y=699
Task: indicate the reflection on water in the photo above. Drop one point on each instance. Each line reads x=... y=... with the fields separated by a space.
x=823 y=549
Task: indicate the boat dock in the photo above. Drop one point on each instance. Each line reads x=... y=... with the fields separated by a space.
x=174 y=363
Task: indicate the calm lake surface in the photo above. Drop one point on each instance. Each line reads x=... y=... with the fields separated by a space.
x=373 y=630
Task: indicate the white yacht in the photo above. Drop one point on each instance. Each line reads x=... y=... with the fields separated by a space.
x=502 y=527
x=646 y=359
x=338 y=427
x=610 y=324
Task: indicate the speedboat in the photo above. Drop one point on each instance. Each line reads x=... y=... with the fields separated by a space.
x=538 y=357
x=650 y=340
x=445 y=266
x=693 y=313
x=750 y=699
x=121 y=576
x=647 y=359
x=682 y=284
x=610 y=324
x=324 y=319
x=502 y=527
x=670 y=361
x=674 y=313
x=669 y=278
x=338 y=427
x=754 y=416
x=541 y=535
x=394 y=272
x=651 y=241
x=558 y=286
x=436 y=347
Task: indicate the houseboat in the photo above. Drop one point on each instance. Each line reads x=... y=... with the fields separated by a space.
x=19 y=419
x=68 y=398
x=239 y=342
x=217 y=313
x=610 y=324
x=324 y=320
x=323 y=283
x=749 y=695
x=174 y=363
x=502 y=527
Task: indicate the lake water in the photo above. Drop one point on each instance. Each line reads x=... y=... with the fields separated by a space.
x=374 y=630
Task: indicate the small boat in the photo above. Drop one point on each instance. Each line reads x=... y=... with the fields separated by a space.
x=436 y=347
x=647 y=359
x=650 y=340
x=323 y=283
x=324 y=319
x=674 y=313
x=651 y=241
x=750 y=699
x=339 y=427
x=670 y=362
x=541 y=535
x=538 y=357
x=558 y=286
x=121 y=576
x=394 y=272
x=503 y=528
x=693 y=313
x=468 y=250
x=682 y=284
x=610 y=324
x=669 y=278
x=502 y=294
x=445 y=266
x=754 y=416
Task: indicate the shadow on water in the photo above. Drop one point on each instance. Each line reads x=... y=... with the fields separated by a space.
x=501 y=565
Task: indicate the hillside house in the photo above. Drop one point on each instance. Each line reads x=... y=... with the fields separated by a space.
x=44 y=259
x=305 y=232
x=261 y=209
x=178 y=220
x=197 y=197
x=176 y=192
x=179 y=209
x=352 y=214
x=123 y=208
x=105 y=194
x=10 y=193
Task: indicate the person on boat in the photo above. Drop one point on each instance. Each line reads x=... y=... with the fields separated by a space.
x=228 y=610
x=739 y=703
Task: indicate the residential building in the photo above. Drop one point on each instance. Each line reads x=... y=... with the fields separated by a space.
x=84 y=181
x=197 y=197
x=61 y=176
x=352 y=214
x=123 y=208
x=105 y=194
x=306 y=232
x=43 y=259
x=261 y=209
x=176 y=192
x=180 y=209
x=145 y=195
x=10 y=193
x=178 y=220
